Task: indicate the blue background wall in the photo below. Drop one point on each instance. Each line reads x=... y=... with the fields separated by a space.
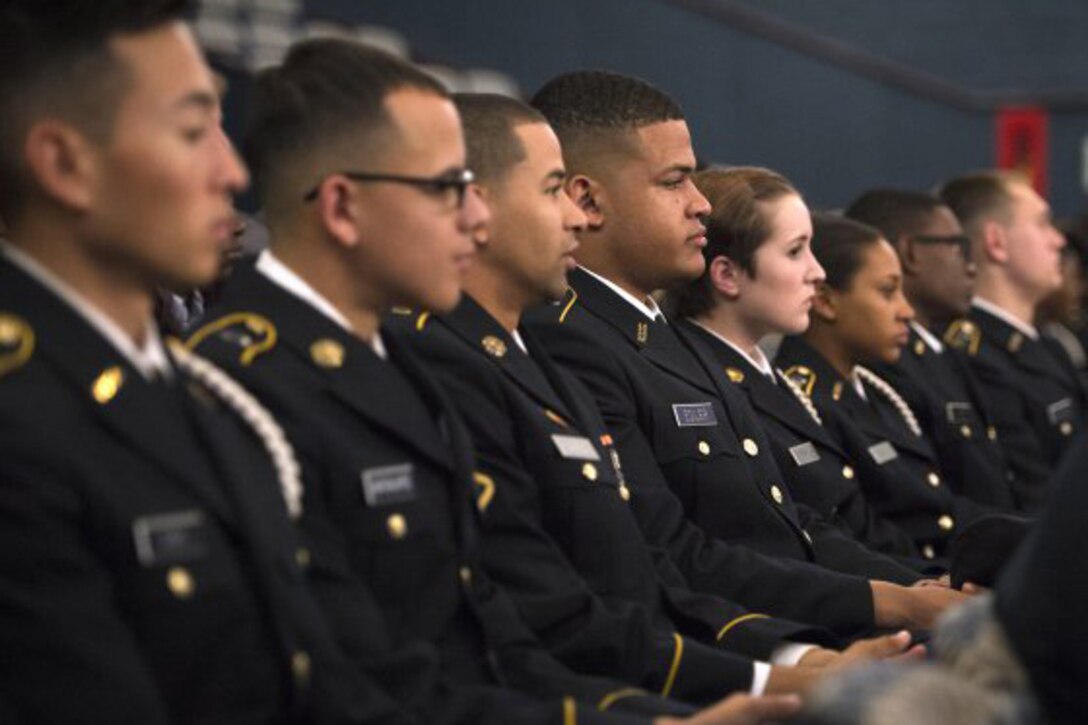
x=751 y=101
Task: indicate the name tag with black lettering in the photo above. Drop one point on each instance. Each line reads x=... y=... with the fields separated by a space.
x=959 y=413
x=1060 y=411
x=691 y=415
x=883 y=452
x=171 y=538
x=804 y=453
x=576 y=447
x=387 y=485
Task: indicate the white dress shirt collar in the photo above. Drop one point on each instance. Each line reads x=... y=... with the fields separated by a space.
x=859 y=387
x=928 y=337
x=285 y=278
x=150 y=359
x=1002 y=314
x=516 y=336
x=647 y=307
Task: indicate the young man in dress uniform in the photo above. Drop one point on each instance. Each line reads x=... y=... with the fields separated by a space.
x=149 y=571
x=1018 y=254
x=360 y=164
x=938 y=280
x=699 y=468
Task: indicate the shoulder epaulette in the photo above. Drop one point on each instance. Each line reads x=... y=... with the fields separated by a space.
x=963 y=335
x=803 y=377
x=16 y=343
x=252 y=333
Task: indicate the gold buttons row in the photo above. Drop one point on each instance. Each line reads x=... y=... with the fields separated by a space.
x=751 y=447
x=933 y=479
x=946 y=522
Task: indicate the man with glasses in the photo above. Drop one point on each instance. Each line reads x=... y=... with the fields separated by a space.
x=938 y=279
x=1036 y=398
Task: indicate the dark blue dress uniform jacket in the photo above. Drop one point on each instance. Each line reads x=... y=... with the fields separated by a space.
x=682 y=455
x=900 y=470
x=949 y=408
x=818 y=470
x=557 y=511
x=148 y=564
x=1033 y=394
x=388 y=473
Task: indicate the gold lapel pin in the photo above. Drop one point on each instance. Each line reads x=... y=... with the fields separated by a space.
x=494 y=346
x=735 y=374
x=327 y=353
x=106 y=386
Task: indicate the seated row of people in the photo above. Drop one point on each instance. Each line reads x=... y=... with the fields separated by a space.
x=386 y=481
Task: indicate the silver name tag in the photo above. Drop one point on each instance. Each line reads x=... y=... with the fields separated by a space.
x=959 y=413
x=386 y=485
x=690 y=415
x=171 y=538
x=1060 y=411
x=575 y=447
x=883 y=452
x=804 y=453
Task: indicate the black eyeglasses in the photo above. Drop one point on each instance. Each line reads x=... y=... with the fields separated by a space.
x=451 y=185
x=959 y=240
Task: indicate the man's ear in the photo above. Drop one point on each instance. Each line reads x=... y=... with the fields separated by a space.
x=725 y=277
x=825 y=303
x=63 y=162
x=995 y=242
x=908 y=254
x=339 y=210
x=586 y=195
x=481 y=232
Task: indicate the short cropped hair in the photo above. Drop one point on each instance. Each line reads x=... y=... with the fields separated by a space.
x=736 y=227
x=895 y=212
x=489 y=121
x=55 y=59
x=596 y=111
x=838 y=244
x=327 y=95
x=980 y=196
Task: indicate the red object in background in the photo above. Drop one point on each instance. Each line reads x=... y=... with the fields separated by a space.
x=1023 y=144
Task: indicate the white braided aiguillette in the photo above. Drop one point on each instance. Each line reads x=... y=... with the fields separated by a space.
x=884 y=388
x=256 y=416
x=800 y=395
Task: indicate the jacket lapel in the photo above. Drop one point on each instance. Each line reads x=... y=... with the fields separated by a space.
x=482 y=332
x=143 y=415
x=769 y=398
x=654 y=340
x=1027 y=353
x=353 y=373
